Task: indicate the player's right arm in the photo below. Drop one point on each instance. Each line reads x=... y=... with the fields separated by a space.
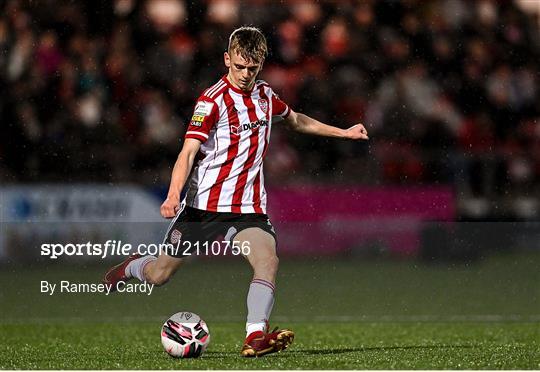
x=205 y=116
x=180 y=173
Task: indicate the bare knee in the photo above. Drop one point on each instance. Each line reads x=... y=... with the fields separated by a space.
x=266 y=267
x=158 y=276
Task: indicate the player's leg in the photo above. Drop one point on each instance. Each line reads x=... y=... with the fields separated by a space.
x=264 y=261
x=156 y=271
x=152 y=269
x=260 y=300
x=262 y=254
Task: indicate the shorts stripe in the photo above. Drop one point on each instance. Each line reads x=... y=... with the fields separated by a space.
x=182 y=206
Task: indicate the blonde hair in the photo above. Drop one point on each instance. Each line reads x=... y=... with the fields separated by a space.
x=249 y=42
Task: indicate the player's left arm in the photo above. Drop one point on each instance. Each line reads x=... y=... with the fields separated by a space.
x=305 y=124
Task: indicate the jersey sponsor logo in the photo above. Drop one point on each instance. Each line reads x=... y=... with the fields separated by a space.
x=254 y=124
x=263 y=104
x=197 y=118
x=203 y=108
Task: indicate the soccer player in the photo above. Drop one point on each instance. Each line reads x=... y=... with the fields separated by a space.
x=221 y=163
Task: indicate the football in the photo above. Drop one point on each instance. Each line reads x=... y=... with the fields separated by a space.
x=185 y=335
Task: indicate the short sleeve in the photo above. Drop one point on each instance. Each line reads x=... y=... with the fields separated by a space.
x=279 y=108
x=205 y=116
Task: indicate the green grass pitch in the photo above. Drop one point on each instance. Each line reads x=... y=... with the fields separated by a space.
x=346 y=315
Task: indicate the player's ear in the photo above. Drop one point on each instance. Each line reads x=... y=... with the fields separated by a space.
x=227 y=59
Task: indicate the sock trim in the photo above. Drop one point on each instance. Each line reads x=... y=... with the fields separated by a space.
x=265 y=283
x=252 y=328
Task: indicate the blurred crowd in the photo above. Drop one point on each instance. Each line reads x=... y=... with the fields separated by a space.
x=102 y=90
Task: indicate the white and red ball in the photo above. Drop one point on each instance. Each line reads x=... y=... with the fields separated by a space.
x=185 y=335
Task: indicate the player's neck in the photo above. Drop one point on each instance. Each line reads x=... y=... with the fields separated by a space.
x=236 y=86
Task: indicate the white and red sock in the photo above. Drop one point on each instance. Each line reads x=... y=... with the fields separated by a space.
x=260 y=300
x=135 y=269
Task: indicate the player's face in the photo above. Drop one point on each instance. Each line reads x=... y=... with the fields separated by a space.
x=242 y=72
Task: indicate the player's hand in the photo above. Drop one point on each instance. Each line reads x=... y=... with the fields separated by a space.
x=170 y=207
x=357 y=132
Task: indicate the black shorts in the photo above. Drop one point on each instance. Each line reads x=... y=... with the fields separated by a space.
x=194 y=229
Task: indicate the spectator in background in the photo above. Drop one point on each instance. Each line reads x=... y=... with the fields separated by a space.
x=100 y=85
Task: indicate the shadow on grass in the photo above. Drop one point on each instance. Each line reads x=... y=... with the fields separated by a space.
x=220 y=354
x=295 y=353
x=374 y=348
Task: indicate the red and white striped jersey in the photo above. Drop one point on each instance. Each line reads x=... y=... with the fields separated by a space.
x=234 y=128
